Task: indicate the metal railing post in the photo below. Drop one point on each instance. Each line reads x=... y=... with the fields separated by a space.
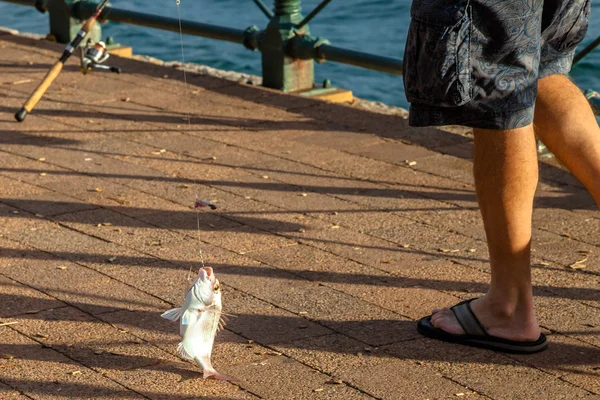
x=64 y=25
x=280 y=71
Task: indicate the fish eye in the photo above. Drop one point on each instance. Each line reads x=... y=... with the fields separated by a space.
x=217 y=287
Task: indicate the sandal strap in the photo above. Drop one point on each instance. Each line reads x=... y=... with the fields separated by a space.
x=467 y=319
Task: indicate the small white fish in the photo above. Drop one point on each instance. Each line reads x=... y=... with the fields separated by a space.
x=200 y=320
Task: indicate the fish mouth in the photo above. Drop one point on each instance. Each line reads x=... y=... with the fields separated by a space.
x=207 y=274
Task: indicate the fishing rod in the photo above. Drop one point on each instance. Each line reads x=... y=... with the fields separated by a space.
x=58 y=66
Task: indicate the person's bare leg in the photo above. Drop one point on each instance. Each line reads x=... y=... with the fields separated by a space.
x=564 y=121
x=506 y=174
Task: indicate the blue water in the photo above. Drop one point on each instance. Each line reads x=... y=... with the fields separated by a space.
x=373 y=26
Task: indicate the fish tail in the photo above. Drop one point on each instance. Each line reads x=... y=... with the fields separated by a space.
x=212 y=373
x=209 y=372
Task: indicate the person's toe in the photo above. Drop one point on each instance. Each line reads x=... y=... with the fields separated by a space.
x=446 y=321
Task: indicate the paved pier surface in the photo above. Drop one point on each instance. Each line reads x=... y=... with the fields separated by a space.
x=336 y=230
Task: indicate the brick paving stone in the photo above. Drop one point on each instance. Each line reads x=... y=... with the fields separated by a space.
x=267 y=96
x=278 y=136
x=77 y=247
x=308 y=202
x=133 y=232
x=405 y=204
x=570 y=318
x=244 y=240
x=487 y=373
x=432 y=240
x=574 y=361
x=133 y=203
x=256 y=187
x=569 y=224
x=372 y=250
x=7 y=393
x=148 y=326
x=394 y=152
x=312 y=177
x=378 y=374
x=226 y=109
x=187 y=253
x=462 y=150
x=362 y=220
x=407 y=183
x=19 y=299
x=160 y=159
x=340 y=140
x=552 y=170
x=89 y=341
x=565 y=197
x=187 y=221
x=262 y=216
x=406 y=296
x=338 y=311
x=43 y=373
x=284 y=378
x=49 y=204
x=454 y=168
x=265 y=323
x=145 y=191
x=163 y=279
x=196 y=150
x=564 y=253
x=356 y=120
x=166 y=279
x=73 y=156
x=567 y=284
x=12 y=188
x=176 y=381
x=467 y=222
x=76 y=285
x=28 y=170
x=361 y=168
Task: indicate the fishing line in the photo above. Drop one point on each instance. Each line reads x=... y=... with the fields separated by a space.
x=199 y=241
x=188 y=117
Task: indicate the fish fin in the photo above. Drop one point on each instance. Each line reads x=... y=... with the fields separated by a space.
x=173 y=314
x=222 y=323
x=182 y=353
x=188 y=318
x=212 y=373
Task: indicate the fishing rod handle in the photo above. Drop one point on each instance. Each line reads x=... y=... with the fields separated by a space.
x=39 y=91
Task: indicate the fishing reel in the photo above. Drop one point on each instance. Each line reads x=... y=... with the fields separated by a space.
x=93 y=55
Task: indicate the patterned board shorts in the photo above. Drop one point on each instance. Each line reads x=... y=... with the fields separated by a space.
x=477 y=62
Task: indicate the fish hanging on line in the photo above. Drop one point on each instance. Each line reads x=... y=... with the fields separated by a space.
x=200 y=320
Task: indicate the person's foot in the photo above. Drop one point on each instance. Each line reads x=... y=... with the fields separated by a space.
x=519 y=324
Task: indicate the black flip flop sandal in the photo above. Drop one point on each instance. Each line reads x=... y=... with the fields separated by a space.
x=476 y=336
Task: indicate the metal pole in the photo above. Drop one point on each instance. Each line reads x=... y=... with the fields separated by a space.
x=314 y=12
x=287 y=7
x=263 y=8
x=359 y=59
x=22 y=2
x=279 y=69
x=85 y=9
x=587 y=50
